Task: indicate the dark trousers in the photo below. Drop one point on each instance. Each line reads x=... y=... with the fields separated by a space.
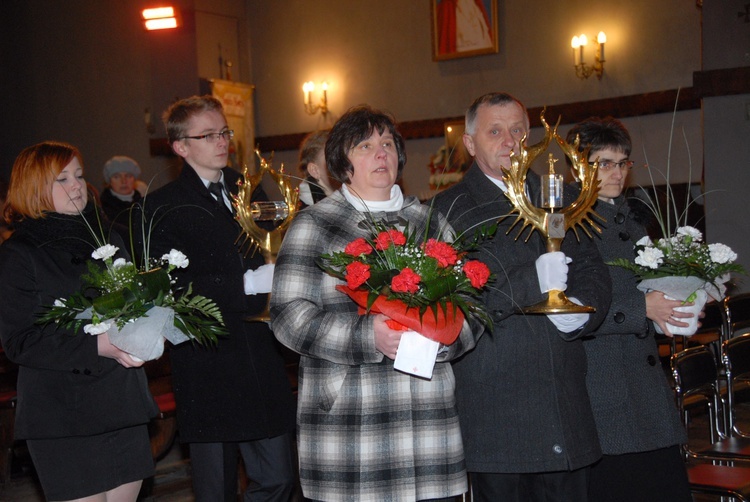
x=565 y=486
x=653 y=476
x=269 y=465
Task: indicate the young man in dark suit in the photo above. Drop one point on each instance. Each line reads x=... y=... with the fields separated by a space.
x=234 y=396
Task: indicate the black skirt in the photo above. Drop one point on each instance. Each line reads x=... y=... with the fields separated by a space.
x=76 y=467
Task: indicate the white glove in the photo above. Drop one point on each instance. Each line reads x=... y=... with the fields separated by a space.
x=260 y=280
x=567 y=323
x=552 y=271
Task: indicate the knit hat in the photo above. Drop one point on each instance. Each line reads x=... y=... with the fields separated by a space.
x=120 y=164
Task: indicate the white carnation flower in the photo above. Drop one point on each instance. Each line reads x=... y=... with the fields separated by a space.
x=721 y=253
x=120 y=262
x=644 y=241
x=97 y=329
x=691 y=232
x=176 y=259
x=104 y=252
x=649 y=258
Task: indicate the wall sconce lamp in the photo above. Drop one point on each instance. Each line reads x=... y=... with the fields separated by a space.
x=307 y=89
x=582 y=69
x=159 y=18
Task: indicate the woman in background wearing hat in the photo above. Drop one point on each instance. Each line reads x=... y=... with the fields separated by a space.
x=120 y=175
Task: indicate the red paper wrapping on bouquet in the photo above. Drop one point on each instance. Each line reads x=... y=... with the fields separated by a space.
x=444 y=328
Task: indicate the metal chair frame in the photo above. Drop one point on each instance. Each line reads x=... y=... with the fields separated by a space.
x=695 y=373
x=735 y=354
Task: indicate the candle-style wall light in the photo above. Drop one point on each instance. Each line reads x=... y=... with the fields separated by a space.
x=582 y=69
x=307 y=90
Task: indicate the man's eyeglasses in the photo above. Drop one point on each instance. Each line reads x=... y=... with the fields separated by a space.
x=608 y=165
x=213 y=137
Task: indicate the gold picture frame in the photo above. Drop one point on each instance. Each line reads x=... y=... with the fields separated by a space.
x=463 y=28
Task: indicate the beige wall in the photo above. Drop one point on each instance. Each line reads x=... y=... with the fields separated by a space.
x=382 y=56
x=726 y=126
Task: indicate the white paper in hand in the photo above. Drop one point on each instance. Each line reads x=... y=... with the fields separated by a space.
x=416 y=355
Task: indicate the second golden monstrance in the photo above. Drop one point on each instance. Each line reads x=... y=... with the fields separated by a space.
x=551 y=218
x=248 y=213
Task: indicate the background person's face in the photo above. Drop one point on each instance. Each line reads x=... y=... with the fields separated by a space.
x=122 y=183
x=319 y=172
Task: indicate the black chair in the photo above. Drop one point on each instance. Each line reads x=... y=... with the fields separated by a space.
x=735 y=354
x=738 y=314
x=695 y=374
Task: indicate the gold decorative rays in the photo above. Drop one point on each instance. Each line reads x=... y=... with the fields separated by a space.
x=579 y=212
x=553 y=223
x=268 y=241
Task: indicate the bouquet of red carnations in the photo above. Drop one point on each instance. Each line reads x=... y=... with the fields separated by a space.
x=424 y=284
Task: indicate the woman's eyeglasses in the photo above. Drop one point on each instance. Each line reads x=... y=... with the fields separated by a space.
x=608 y=165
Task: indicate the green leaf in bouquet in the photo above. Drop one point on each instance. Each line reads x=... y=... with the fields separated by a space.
x=440 y=287
x=108 y=304
x=64 y=315
x=380 y=279
x=150 y=284
x=199 y=317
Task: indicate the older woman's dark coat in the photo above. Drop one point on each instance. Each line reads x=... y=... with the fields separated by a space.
x=633 y=405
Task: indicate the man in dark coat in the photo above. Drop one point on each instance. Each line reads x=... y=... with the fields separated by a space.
x=529 y=433
x=235 y=395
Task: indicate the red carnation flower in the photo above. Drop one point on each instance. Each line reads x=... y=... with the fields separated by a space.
x=357 y=274
x=358 y=247
x=384 y=239
x=477 y=272
x=443 y=252
x=406 y=282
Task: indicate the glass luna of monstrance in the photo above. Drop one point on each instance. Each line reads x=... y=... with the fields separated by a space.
x=248 y=213
x=551 y=218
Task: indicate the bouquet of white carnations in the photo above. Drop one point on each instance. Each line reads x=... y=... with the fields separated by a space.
x=685 y=268
x=137 y=308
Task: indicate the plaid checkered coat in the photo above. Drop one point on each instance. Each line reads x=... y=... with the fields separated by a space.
x=365 y=431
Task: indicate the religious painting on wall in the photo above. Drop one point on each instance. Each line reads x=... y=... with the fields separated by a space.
x=463 y=28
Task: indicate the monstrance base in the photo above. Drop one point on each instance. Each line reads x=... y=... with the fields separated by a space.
x=557 y=303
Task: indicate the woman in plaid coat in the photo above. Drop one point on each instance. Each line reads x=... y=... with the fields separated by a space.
x=365 y=431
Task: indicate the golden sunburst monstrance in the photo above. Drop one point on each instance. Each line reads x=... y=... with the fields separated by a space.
x=555 y=222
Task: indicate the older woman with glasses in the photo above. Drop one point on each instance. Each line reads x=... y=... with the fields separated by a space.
x=83 y=404
x=634 y=409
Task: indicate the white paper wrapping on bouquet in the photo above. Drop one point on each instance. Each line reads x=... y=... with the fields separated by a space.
x=680 y=288
x=144 y=338
x=416 y=354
